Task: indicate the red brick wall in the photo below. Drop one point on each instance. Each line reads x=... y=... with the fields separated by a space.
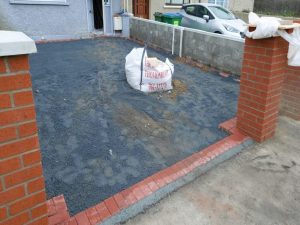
x=262 y=77
x=290 y=104
x=22 y=188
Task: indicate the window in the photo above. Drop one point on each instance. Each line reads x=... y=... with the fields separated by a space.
x=41 y=2
x=177 y=2
x=223 y=3
x=191 y=10
x=202 y=11
x=197 y=10
x=222 y=13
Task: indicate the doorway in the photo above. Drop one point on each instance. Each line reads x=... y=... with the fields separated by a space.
x=141 y=8
x=98 y=14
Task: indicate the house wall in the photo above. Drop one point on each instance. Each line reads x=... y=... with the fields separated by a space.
x=124 y=5
x=45 y=20
x=238 y=5
x=160 y=6
x=157 y=6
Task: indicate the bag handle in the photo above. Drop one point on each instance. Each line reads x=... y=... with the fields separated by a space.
x=142 y=66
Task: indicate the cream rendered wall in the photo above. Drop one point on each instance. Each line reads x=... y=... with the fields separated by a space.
x=241 y=5
x=129 y=5
x=157 y=6
x=238 y=5
x=160 y=6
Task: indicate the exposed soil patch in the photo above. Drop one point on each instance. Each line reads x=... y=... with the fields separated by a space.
x=178 y=88
x=139 y=124
x=192 y=62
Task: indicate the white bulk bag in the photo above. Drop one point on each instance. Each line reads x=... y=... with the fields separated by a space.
x=268 y=27
x=148 y=74
x=265 y=26
x=294 y=47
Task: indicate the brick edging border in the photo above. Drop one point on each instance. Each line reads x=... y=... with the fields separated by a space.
x=133 y=200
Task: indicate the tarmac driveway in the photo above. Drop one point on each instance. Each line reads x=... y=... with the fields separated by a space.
x=99 y=136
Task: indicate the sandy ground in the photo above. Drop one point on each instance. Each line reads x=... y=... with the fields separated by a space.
x=259 y=186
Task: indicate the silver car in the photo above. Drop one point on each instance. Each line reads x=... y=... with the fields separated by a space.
x=212 y=18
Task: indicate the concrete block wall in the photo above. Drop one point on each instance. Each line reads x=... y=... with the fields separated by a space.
x=214 y=50
x=22 y=188
x=154 y=33
x=217 y=51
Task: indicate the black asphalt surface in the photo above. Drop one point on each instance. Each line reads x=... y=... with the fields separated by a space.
x=98 y=136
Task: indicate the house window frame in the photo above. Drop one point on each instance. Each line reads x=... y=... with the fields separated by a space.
x=169 y=3
x=40 y=2
x=225 y=3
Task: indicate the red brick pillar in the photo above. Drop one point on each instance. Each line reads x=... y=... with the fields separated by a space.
x=290 y=102
x=22 y=188
x=264 y=65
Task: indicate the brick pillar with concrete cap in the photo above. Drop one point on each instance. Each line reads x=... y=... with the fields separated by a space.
x=263 y=72
x=22 y=187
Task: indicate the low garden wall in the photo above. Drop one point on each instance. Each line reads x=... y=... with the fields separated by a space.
x=218 y=51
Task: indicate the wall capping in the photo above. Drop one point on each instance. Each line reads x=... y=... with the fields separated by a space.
x=15 y=43
x=172 y=6
x=40 y=2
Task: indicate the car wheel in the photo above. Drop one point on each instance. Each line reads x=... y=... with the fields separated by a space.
x=217 y=32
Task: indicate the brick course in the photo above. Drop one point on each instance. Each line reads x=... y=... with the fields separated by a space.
x=22 y=187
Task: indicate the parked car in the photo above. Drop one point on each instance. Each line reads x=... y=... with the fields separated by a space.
x=212 y=18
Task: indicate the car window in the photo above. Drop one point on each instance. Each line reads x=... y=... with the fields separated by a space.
x=222 y=13
x=201 y=11
x=191 y=10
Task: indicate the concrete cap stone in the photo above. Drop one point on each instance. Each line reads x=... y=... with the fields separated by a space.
x=15 y=43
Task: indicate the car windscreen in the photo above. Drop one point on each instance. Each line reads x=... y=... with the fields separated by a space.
x=222 y=13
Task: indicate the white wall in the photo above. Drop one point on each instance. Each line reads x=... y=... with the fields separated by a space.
x=62 y=21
